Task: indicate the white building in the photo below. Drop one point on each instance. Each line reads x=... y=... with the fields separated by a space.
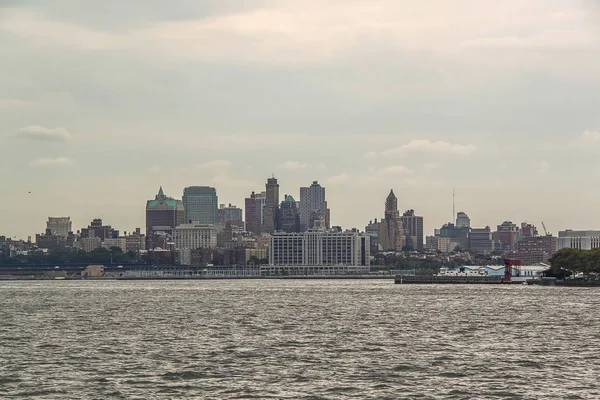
x=59 y=225
x=195 y=236
x=312 y=205
x=583 y=240
x=319 y=252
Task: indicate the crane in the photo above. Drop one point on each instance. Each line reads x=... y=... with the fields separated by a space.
x=544 y=226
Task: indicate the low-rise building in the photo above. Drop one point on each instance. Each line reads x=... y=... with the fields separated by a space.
x=583 y=240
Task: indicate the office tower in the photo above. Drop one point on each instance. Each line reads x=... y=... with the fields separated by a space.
x=391 y=232
x=255 y=205
x=289 y=220
x=462 y=220
x=200 y=204
x=271 y=206
x=163 y=214
x=480 y=240
x=312 y=205
x=229 y=213
x=60 y=226
x=507 y=236
x=413 y=228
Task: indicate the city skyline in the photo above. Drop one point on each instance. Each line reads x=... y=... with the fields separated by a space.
x=100 y=106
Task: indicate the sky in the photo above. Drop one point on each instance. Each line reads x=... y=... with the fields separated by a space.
x=103 y=102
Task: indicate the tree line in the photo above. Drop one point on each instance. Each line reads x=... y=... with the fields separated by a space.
x=586 y=261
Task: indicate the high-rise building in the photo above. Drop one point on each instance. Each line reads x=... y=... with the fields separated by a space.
x=201 y=204
x=289 y=220
x=163 y=214
x=60 y=226
x=455 y=234
x=312 y=205
x=413 y=228
x=231 y=214
x=320 y=251
x=462 y=220
x=255 y=206
x=391 y=231
x=480 y=240
x=507 y=236
x=271 y=206
x=97 y=229
x=528 y=230
x=372 y=230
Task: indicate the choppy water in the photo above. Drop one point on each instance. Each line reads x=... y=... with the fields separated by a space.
x=296 y=339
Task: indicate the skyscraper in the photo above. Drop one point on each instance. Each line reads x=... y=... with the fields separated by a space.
x=289 y=220
x=391 y=232
x=271 y=205
x=163 y=214
x=254 y=207
x=413 y=227
x=462 y=220
x=312 y=205
x=59 y=225
x=201 y=204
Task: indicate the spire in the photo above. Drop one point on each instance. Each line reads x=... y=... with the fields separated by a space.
x=161 y=193
x=391 y=195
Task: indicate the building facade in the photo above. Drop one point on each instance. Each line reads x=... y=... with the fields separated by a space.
x=582 y=240
x=462 y=220
x=229 y=213
x=346 y=252
x=536 y=249
x=163 y=214
x=59 y=226
x=271 y=212
x=255 y=206
x=312 y=205
x=507 y=236
x=195 y=236
x=289 y=220
x=480 y=240
x=413 y=228
x=201 y=204
x=391 y=231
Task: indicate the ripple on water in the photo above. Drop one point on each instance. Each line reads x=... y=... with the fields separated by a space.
x=296 y=339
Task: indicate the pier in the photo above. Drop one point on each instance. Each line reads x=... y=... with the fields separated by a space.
x=432 y=279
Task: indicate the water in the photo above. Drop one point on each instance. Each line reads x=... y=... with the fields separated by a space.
x=296 y=339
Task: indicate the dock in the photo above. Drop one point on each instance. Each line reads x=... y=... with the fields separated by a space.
x=456 y=280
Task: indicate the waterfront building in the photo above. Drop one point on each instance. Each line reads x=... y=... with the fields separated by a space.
x=271 y=212
x=59 y=226
x=163 y=214
x=289 y=220
x=507 y=236
x=413 y=228
x=462 y=220
x=255 y=206
x=536 y=249
x=480 y=240
x=200 y=204
x=582 y=240
x=391 y=231
x=319 y=251
x=195 y=236
x=312 y=205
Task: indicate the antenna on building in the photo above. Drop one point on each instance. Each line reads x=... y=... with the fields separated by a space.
x=453 y=204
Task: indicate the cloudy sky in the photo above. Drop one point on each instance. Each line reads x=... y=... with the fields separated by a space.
x=103 y=102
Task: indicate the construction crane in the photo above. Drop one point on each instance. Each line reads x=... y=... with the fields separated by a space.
x=544 y=226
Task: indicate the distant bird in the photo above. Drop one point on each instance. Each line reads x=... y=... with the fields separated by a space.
x=29 y=192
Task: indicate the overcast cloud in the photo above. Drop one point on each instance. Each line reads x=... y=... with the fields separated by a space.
x=109 y=100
